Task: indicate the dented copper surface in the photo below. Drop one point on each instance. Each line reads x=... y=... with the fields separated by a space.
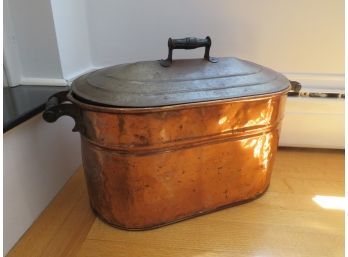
x=168 y=140
x=149 y=167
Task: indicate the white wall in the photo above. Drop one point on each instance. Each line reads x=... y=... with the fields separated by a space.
x=299 y=38
x=38 y=159
x=290 y=36
x=70 y=20
x=11 y=63
x=34 y=38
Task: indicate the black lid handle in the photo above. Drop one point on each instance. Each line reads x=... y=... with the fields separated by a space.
x=188 y=43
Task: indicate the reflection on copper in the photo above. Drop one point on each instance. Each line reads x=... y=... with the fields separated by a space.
x=146 y=168
x=266 y=150
x=163 y=135
x=222 y=120
x=261 y=148
x=264 y=117
x=225 y=130
x=248 y=144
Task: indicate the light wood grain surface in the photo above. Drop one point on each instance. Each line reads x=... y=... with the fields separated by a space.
x=283 y=222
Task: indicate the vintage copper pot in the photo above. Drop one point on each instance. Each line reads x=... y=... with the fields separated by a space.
x=164 y=141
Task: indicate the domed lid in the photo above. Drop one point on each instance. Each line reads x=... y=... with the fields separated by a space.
x=167 y=82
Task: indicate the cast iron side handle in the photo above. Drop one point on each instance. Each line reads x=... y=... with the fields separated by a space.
x=295 y=88
x=59 y=105
x=188 y=43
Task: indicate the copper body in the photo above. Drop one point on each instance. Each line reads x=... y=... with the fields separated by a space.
x=147 y=167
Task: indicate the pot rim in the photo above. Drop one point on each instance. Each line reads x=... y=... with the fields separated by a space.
x=113 y=109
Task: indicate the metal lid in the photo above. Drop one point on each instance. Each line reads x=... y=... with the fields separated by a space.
x=161 y=83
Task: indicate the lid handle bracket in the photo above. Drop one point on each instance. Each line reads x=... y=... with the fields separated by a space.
x=188 y=43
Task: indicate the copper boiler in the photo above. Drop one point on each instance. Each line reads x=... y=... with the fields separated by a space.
x=168 y=140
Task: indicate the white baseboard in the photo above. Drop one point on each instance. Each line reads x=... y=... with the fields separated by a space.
x=313 y=122
x=44 y=81
x=316 y=82
x=55 y=81
x=75 y=75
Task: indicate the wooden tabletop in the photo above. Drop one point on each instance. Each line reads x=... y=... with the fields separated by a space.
x=291 y=219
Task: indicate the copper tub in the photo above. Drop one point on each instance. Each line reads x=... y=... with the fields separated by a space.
x=155 y=159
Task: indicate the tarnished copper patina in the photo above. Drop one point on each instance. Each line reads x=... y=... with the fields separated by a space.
x=162 y=142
